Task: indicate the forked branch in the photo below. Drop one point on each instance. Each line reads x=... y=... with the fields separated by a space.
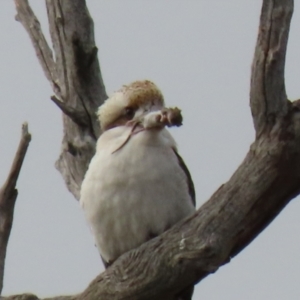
x=75 y=78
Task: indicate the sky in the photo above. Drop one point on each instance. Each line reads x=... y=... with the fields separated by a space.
x=199 y=53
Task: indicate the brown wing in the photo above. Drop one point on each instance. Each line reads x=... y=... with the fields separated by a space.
x=188 y=177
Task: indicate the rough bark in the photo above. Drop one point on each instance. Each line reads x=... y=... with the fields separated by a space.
x=75 y=77
x=265 y=182
x=8 y=196
x=267 y=94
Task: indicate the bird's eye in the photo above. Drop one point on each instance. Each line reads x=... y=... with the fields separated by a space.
x=129 y=112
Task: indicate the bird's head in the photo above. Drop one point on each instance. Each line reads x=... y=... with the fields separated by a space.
x=130 y=103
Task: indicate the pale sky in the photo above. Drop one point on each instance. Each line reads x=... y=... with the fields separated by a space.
x=199 y=53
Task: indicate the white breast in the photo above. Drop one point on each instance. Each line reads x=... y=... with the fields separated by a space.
x=134 y=193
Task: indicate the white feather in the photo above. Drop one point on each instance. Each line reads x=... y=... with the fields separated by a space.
x=138 y=191
x=111 y=108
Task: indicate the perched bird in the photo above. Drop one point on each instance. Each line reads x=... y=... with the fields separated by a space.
x=137 y=185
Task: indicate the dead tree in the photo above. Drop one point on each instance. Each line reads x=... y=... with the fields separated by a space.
x=267 y=179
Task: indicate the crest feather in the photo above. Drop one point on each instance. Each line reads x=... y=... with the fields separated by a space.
x=136 y=94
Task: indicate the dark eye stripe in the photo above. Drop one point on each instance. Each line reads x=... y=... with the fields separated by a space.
x=129 y=112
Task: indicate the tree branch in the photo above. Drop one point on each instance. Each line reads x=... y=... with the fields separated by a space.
x=239 y=210
x=8 y=196
x=43 y=52
x=78 y=117
x=267 y=94
x=75 y=77
x=72 y=33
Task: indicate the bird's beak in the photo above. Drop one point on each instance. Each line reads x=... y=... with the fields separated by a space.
x=143 y=111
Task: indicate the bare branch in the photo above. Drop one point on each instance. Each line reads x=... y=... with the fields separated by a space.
x=72 y=33
x=75 y=77
x=8 y=196
x=267 y=94
x=30 y=22
x=78 y=117
x=239 y=210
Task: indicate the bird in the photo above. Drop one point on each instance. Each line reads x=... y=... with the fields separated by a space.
x=137 y=185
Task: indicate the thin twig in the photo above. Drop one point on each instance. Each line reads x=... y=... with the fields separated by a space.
x=8 y=196
x=79 y=117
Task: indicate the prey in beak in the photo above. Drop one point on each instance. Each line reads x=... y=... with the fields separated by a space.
x=156 y=119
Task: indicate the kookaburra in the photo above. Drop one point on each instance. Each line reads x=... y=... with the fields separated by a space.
x=137 y=185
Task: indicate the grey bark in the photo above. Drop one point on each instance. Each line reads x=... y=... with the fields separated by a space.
x=8 y=196
x=75 y=77
x=237 y=212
